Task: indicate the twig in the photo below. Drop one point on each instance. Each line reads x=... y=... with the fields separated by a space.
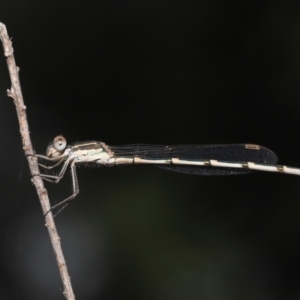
x=16 y=94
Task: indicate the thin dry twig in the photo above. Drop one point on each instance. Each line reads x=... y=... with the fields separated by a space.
x=16 y=94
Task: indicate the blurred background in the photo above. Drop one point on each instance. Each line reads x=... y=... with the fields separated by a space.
x=162 y=72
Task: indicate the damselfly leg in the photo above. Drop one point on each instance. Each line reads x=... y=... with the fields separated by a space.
x=57 y=178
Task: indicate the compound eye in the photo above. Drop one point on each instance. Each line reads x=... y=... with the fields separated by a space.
x=59 y=143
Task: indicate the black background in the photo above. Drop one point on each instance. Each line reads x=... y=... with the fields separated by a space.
x=163 y=72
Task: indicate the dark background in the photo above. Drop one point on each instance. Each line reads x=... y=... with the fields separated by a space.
x=163 y=72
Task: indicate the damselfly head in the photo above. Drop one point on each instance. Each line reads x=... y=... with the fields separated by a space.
x=56 y=147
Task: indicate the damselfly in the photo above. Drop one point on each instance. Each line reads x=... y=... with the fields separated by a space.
x=191 y=159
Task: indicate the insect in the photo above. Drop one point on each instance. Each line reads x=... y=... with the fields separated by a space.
x=227 y=159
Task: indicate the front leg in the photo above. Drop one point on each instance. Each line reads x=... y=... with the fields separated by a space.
x=53 y=166
x=57 y=178
x=59 y=160
x=66 y=201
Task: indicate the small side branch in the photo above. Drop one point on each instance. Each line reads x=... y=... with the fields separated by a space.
x=15 y=93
